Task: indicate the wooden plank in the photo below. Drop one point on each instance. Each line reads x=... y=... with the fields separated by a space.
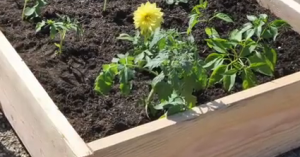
x=289 y=10
x=262 y=121
x=42 y=128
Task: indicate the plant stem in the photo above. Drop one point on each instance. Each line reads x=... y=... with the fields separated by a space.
x=24 y=7
x=62 y=38
x=104 y=5
x=144 y=69
x=148 y=100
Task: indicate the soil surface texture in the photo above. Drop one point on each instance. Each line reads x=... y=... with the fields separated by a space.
x=69 y=78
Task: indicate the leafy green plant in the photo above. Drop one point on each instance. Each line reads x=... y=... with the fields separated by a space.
x=33 y=12
x=176 y=1
x=197 y=15
x=171 y=58
x=247 y=51
x=61 y=27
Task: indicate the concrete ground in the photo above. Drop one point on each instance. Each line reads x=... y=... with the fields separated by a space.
x=10 y=145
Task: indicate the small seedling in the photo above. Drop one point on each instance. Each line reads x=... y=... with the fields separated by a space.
x=33 y=12
x=197 y=16
x=244 y=53
x=61 y=27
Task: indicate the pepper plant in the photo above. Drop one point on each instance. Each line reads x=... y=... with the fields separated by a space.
x=245 y=52
x=33 y=12
x=197 y=15
x=171 y=57
x=61 y=27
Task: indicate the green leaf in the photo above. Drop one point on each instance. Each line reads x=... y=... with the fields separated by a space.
x=257 y=65
x=157 y=61
x=263 y=17
x=124 y=36
x=278 y=23
x=52 y=32
x=263 y=69
x=228 y=81
x=217 y=75
x=251 y=17
x=126 y=74
x=220 y=45
x=127 y=60
x=192 y=22
x=236 y=35
x=158 y=79
x=211 y=32
x=213 y=60
x=163 y=90
x=248 y=47
x=157 y=36
x=271 y=55
x=249 y=33
x=246 y=27
x=29 y=11
x=223 y=17
x=231 y=72
x=249 y=79
x=105 y=79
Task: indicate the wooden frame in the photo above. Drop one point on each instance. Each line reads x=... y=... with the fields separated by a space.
x=262 y=121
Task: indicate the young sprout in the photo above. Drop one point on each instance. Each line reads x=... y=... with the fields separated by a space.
x=61 y=27
x=33 y=12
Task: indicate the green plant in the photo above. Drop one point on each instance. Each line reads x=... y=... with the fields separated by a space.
x=33 y=12
x=176 y=1
x=197 y=15
x=61 y=27
x=245 y=52
x=171 y=58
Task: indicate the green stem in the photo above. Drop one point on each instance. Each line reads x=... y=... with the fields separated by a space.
x=148 y=100
x=144 y=69
x=63 y=34
x=24 y=7
x=104 y=6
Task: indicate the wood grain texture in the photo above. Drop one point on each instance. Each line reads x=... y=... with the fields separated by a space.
x=262 y=121
x=288 y=10
x=42 y=128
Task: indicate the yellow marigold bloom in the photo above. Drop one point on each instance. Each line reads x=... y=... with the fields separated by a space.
x=147 y=18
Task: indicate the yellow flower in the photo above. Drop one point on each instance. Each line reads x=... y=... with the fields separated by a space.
x=147 y=18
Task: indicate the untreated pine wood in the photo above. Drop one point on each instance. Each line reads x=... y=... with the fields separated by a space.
x=288 y=10
x=39 y=124
x=262 y=121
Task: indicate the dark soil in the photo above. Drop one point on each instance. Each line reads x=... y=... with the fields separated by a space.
x=69 y=78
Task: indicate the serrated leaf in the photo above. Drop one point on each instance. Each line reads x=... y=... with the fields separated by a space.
x=163 y=90
x=223 y=17
x=157 y=61
x=104 y=81
x=249 y=79
x=217 y=75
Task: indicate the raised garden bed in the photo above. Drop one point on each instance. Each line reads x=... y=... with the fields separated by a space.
x=261 y=121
